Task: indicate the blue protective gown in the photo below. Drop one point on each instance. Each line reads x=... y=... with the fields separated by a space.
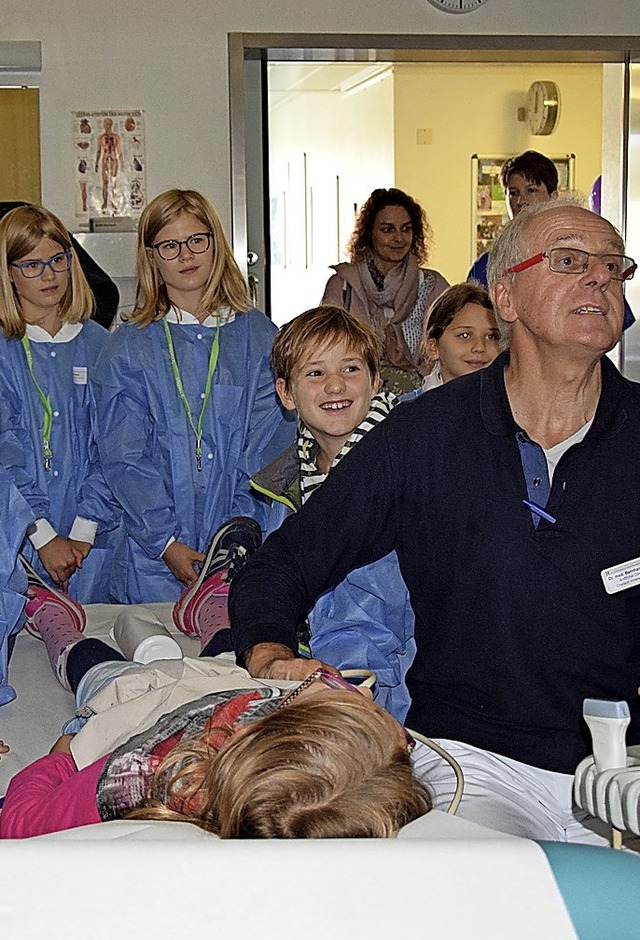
x=147 y=446
x=15 y=516
x=74 y=485
x=366 y=621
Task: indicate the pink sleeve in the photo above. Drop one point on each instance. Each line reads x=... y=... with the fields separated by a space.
x=50 y=795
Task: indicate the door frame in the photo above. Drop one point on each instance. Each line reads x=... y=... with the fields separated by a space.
x=371 y=48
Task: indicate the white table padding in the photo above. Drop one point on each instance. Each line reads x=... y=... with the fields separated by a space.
x=496 y=889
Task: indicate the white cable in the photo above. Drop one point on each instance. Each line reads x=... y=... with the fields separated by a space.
x=369 y=677
x=368 y=682
x=453 y=763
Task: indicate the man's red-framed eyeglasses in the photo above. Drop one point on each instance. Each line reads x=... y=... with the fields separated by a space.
x=576 y=261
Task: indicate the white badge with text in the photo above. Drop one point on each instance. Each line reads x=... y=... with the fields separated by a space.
x=79 y=375
x=621 y=577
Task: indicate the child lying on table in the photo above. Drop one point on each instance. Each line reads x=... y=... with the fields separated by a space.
x=198 y=740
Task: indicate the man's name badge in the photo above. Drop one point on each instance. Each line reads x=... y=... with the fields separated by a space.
x=621 y=577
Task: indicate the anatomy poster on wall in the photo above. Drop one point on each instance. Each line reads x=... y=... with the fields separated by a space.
x=110 y=163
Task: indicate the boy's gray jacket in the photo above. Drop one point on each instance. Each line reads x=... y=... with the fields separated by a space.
x=279 y=481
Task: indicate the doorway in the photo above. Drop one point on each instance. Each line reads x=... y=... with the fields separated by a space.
x=405 y=63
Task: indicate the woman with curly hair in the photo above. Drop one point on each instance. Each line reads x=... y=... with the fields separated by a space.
x=386 y=284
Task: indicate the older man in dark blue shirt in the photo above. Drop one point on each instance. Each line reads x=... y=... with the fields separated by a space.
x=508 y=495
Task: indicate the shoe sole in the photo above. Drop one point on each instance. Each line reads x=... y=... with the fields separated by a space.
x=215 y=545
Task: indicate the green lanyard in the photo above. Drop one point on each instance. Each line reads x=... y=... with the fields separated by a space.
x=46 y=406
x=213 y=361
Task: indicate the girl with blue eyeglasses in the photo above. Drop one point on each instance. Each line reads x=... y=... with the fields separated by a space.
x=48 y=349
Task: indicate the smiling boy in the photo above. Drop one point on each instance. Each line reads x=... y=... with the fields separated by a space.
x=327 y=368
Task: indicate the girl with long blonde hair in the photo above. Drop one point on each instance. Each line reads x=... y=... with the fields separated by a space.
x=187 y=404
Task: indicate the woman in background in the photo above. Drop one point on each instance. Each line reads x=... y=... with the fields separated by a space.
x=386 y=284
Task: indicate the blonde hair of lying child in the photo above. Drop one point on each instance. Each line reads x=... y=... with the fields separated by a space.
x=316 y=769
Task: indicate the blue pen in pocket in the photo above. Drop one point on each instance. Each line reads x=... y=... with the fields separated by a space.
x=539 y=511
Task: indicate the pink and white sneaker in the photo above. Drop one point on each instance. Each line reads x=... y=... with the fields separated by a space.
x=40 y=595
x=229 y=549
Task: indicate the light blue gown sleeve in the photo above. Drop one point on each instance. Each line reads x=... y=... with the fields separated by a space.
x=18 y=438
x=15 y=516
x=269 y=429
x=134 y=462
x=367 y=622
x=96 y=502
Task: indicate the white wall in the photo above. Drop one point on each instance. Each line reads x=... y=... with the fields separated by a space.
x=347 y=142
x=170 y=58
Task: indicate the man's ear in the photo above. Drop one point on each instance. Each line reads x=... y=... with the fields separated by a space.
x=285 y=395
x=502 y=299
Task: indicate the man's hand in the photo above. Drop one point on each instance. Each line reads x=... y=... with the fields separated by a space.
x=180 y=560
x=275 y=661
x=60 y=559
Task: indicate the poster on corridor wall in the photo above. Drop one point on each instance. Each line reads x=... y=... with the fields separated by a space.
x=109 y=164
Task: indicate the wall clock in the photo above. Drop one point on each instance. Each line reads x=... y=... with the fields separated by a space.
x=543 y=108
x=457 y=6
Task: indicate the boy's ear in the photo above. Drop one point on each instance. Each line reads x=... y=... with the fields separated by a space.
x=285 y=395
x=377 y=383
